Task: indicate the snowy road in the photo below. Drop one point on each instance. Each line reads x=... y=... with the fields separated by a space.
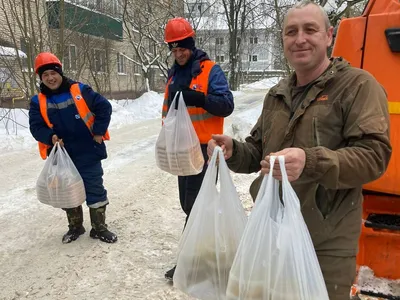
x=144 y=211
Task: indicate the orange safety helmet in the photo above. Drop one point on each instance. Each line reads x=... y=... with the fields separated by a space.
x=46 y=58
x=177 y=29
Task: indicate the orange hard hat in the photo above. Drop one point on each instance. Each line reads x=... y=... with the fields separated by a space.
x=177 y=29
x=46 y=58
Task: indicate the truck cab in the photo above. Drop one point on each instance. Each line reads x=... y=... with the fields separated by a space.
x=372 y=42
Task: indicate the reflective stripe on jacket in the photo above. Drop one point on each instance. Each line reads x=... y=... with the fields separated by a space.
x=86 y=115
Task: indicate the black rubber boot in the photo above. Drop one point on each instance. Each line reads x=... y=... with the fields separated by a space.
x=170 y=274
x=99 y=226
x=75 y=224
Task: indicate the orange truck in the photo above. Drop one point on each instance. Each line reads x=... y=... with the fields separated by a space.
x=372 y=42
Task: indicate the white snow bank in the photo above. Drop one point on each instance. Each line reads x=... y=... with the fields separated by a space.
x=368 y=282
x=146 y=107
x=14 y=123
x=243 y=122
x=14 y=130
x=263 y=84
x=237 y=93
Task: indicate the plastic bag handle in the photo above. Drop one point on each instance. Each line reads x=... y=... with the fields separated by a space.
x=265 y=185
x=286 y=185
x=215 y=165
x=177 y=102
x=281 y=159
x=272 y=160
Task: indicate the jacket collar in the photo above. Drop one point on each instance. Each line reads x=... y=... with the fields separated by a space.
x=194 y=63
x=64 y=87
x=283 y=88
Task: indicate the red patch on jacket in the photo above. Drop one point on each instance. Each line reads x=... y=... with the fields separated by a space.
x=322 y=98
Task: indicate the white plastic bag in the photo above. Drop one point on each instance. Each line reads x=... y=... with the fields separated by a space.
x=276 y=259
x=211 y=237
x=178 y=148
x=60 y=184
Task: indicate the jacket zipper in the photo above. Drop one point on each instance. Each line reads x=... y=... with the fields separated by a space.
x=316 y=136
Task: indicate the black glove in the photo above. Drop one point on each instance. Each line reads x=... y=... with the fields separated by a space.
x=194 y=98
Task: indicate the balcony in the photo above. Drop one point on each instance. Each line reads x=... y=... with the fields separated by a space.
x=84 y=20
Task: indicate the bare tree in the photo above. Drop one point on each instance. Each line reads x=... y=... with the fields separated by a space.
x=144 y=23
x=236 y=12
x=337 y=9
x=23 y=22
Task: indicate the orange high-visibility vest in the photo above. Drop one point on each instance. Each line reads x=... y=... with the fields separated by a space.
x=83 y=110
x=204 y=123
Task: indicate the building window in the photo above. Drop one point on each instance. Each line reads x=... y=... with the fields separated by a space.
x=220 y=58
x=99 y=60
x=115 y=8
x=254 y=40
x=99 y=5
x=121 y=62
x=25 y=47
x=152 y=47
x=70 y=58
x=252 y=57
x=69 y=54
x=219 y=41
x=136 y=68
x=91 y=4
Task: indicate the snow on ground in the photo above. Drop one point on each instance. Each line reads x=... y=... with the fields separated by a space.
x=369 y=283
x=148 y=106
x=144 y=211
x=243 y=122
x=263 y=84
x=14 y=130
x=14 y=124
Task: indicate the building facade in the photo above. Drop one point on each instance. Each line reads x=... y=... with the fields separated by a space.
x=258 y=53
x=89 y=36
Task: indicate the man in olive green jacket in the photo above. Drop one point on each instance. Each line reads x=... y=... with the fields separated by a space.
x=331 y=123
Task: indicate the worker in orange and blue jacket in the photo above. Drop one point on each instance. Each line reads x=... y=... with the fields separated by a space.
x=57 y=114
x=207 y=96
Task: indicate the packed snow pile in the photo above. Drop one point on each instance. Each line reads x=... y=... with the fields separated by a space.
x=263 y=84
x=14 y=123
x=243 y=122
x=14 y=130
x=367 y=282
x=148 y=106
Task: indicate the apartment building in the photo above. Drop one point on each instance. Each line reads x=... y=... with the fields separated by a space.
x=259 y=53
x=89 y=36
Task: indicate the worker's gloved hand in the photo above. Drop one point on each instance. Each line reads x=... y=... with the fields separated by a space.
x=194 y=98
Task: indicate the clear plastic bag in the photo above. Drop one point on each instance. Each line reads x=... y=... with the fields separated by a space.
x=60 y=184
x=276 y=259
x=178 y=148
x=212 y=235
